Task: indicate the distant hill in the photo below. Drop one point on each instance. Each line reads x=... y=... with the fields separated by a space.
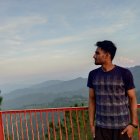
x=61 y=102
x=49 y=92
x=44 y=93
x=136 y=73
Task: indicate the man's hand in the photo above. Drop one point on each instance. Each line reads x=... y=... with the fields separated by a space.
x=129 y=130
x=93 y=131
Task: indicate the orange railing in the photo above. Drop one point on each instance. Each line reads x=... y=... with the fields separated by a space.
x=138 y=122
x=45 y=124
x=70 y=123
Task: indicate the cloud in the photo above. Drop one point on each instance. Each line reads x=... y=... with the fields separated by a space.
x=15 y=38
x=16 y=23
x=125 y=61
x=14 y=30
x=59 y=41
x=17 y=45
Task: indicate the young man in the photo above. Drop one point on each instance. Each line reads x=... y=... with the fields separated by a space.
x=112 y=99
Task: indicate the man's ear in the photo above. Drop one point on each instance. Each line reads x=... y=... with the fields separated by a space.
x=108 y=55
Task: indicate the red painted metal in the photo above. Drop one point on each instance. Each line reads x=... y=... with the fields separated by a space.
x=77 y=120
x=25 y=119
x=83 y=118
x=53 y=124
x=31 y=126
x=1 y=127
x=21 y=126
x=17 y=131
x=36 y=122
x=59 y=126
x=43 y=134
x=41 y=124
x=13 y=136
x=71 y=123
x=66 y=130
x=7 y=128
x=48 y=126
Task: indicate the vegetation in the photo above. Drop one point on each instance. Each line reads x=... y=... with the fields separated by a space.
x=61 y=102
x=138 y=96
x=0 y=100
x=72 y=126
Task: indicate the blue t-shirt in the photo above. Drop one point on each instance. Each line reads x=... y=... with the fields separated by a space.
x=111 y=100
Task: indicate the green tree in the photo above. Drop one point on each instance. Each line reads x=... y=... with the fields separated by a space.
x=0 y=99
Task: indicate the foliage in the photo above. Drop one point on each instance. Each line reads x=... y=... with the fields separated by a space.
x=0 y=100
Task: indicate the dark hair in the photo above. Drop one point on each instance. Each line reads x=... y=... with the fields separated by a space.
x=107 y=46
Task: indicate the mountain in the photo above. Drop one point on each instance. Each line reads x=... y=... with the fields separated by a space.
x=44 y=93
x=41 y=87
x=48 y=93
x=136 y=74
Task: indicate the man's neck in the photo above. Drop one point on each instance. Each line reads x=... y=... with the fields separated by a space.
x=108 y=67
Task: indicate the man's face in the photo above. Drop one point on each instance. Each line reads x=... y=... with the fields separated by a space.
x=100 y=56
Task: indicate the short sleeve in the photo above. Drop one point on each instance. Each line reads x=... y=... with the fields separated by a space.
x=89 y=82
x=128 y=79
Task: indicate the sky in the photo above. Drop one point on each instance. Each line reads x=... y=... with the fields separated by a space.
x=44 y=40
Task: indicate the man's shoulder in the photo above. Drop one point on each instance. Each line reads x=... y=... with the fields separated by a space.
x=123 y=69
x=95 y=70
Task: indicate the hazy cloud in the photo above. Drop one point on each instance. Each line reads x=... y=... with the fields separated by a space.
x=42 y=37
x=124 y=61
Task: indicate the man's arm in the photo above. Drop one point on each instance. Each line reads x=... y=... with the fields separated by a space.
x=133 y=106
x=133 y=110
x=92 y=109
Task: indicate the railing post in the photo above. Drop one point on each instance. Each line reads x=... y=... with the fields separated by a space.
x=1 y=127
x=138 y=129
